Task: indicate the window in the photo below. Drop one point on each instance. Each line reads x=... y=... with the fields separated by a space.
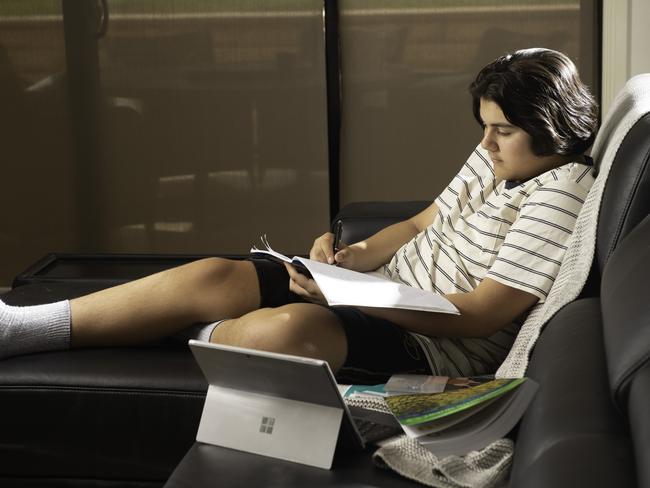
x=406 y=66
x=195 y=126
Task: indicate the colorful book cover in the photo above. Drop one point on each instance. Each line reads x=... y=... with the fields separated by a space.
x=420 y=408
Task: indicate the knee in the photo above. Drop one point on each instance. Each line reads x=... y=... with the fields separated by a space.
x=299 y=329
x=211 y=270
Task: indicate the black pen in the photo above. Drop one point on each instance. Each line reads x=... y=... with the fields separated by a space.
x=338 y=230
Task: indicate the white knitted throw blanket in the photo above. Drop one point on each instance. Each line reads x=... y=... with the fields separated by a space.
x=490 y=466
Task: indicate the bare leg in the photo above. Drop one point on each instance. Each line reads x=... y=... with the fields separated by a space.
x=302 y=329
x=164 y=303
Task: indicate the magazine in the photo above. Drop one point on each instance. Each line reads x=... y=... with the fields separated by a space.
x=468 y=414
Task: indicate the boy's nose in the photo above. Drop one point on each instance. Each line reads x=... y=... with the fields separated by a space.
x=488 y=143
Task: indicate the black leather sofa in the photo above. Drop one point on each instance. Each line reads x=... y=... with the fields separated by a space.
x=589 y=425
x=125 y=417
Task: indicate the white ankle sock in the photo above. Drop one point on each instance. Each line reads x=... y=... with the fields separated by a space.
x=35 y=328
x=200 y=332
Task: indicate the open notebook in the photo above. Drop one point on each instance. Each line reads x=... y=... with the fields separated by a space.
x=342 y=286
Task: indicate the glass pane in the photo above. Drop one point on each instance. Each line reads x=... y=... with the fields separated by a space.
x=406 y=65
x=214 y=124
x=36 y=192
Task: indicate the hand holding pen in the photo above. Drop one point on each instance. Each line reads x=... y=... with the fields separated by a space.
x=343 y=255
x=327 y=246
x=338 y=231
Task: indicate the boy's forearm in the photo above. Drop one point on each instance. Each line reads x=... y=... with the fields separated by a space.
x=483 y=311
x=380 y=248
x=432 y=324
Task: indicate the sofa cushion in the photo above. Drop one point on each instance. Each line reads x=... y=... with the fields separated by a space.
x=362 y=219
x=119 y=416
x=626 y=198
x=626 y=314
x=571 y=434
x=638 y=401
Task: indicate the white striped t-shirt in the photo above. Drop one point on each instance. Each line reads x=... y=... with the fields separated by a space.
x=516 y=236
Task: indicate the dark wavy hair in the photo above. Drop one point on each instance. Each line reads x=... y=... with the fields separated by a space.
x=539 y=90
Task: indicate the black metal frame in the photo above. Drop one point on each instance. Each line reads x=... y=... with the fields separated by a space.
x=333 y=81
x=83 y=80
x=102 y=269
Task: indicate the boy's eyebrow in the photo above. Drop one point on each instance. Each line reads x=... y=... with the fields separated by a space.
x=498 y=125
x=504 y=125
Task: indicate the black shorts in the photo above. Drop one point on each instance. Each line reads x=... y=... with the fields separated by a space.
x=377 y=348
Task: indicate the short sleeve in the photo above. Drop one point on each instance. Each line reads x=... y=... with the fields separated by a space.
x=474 y=178
x=534 y=247
x=447 y=199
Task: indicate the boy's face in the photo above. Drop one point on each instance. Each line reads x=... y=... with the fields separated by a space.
x=510 y=147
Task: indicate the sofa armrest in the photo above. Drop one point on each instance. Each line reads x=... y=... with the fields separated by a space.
x=362 y=219
x=626 y=316
x=572 y=415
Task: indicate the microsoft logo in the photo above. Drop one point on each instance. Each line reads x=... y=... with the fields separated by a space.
x=266 y=427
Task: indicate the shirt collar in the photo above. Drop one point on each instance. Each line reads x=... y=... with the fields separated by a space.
x=510 y=184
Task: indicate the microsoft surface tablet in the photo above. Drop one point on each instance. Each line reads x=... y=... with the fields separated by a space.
x=278 y=405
